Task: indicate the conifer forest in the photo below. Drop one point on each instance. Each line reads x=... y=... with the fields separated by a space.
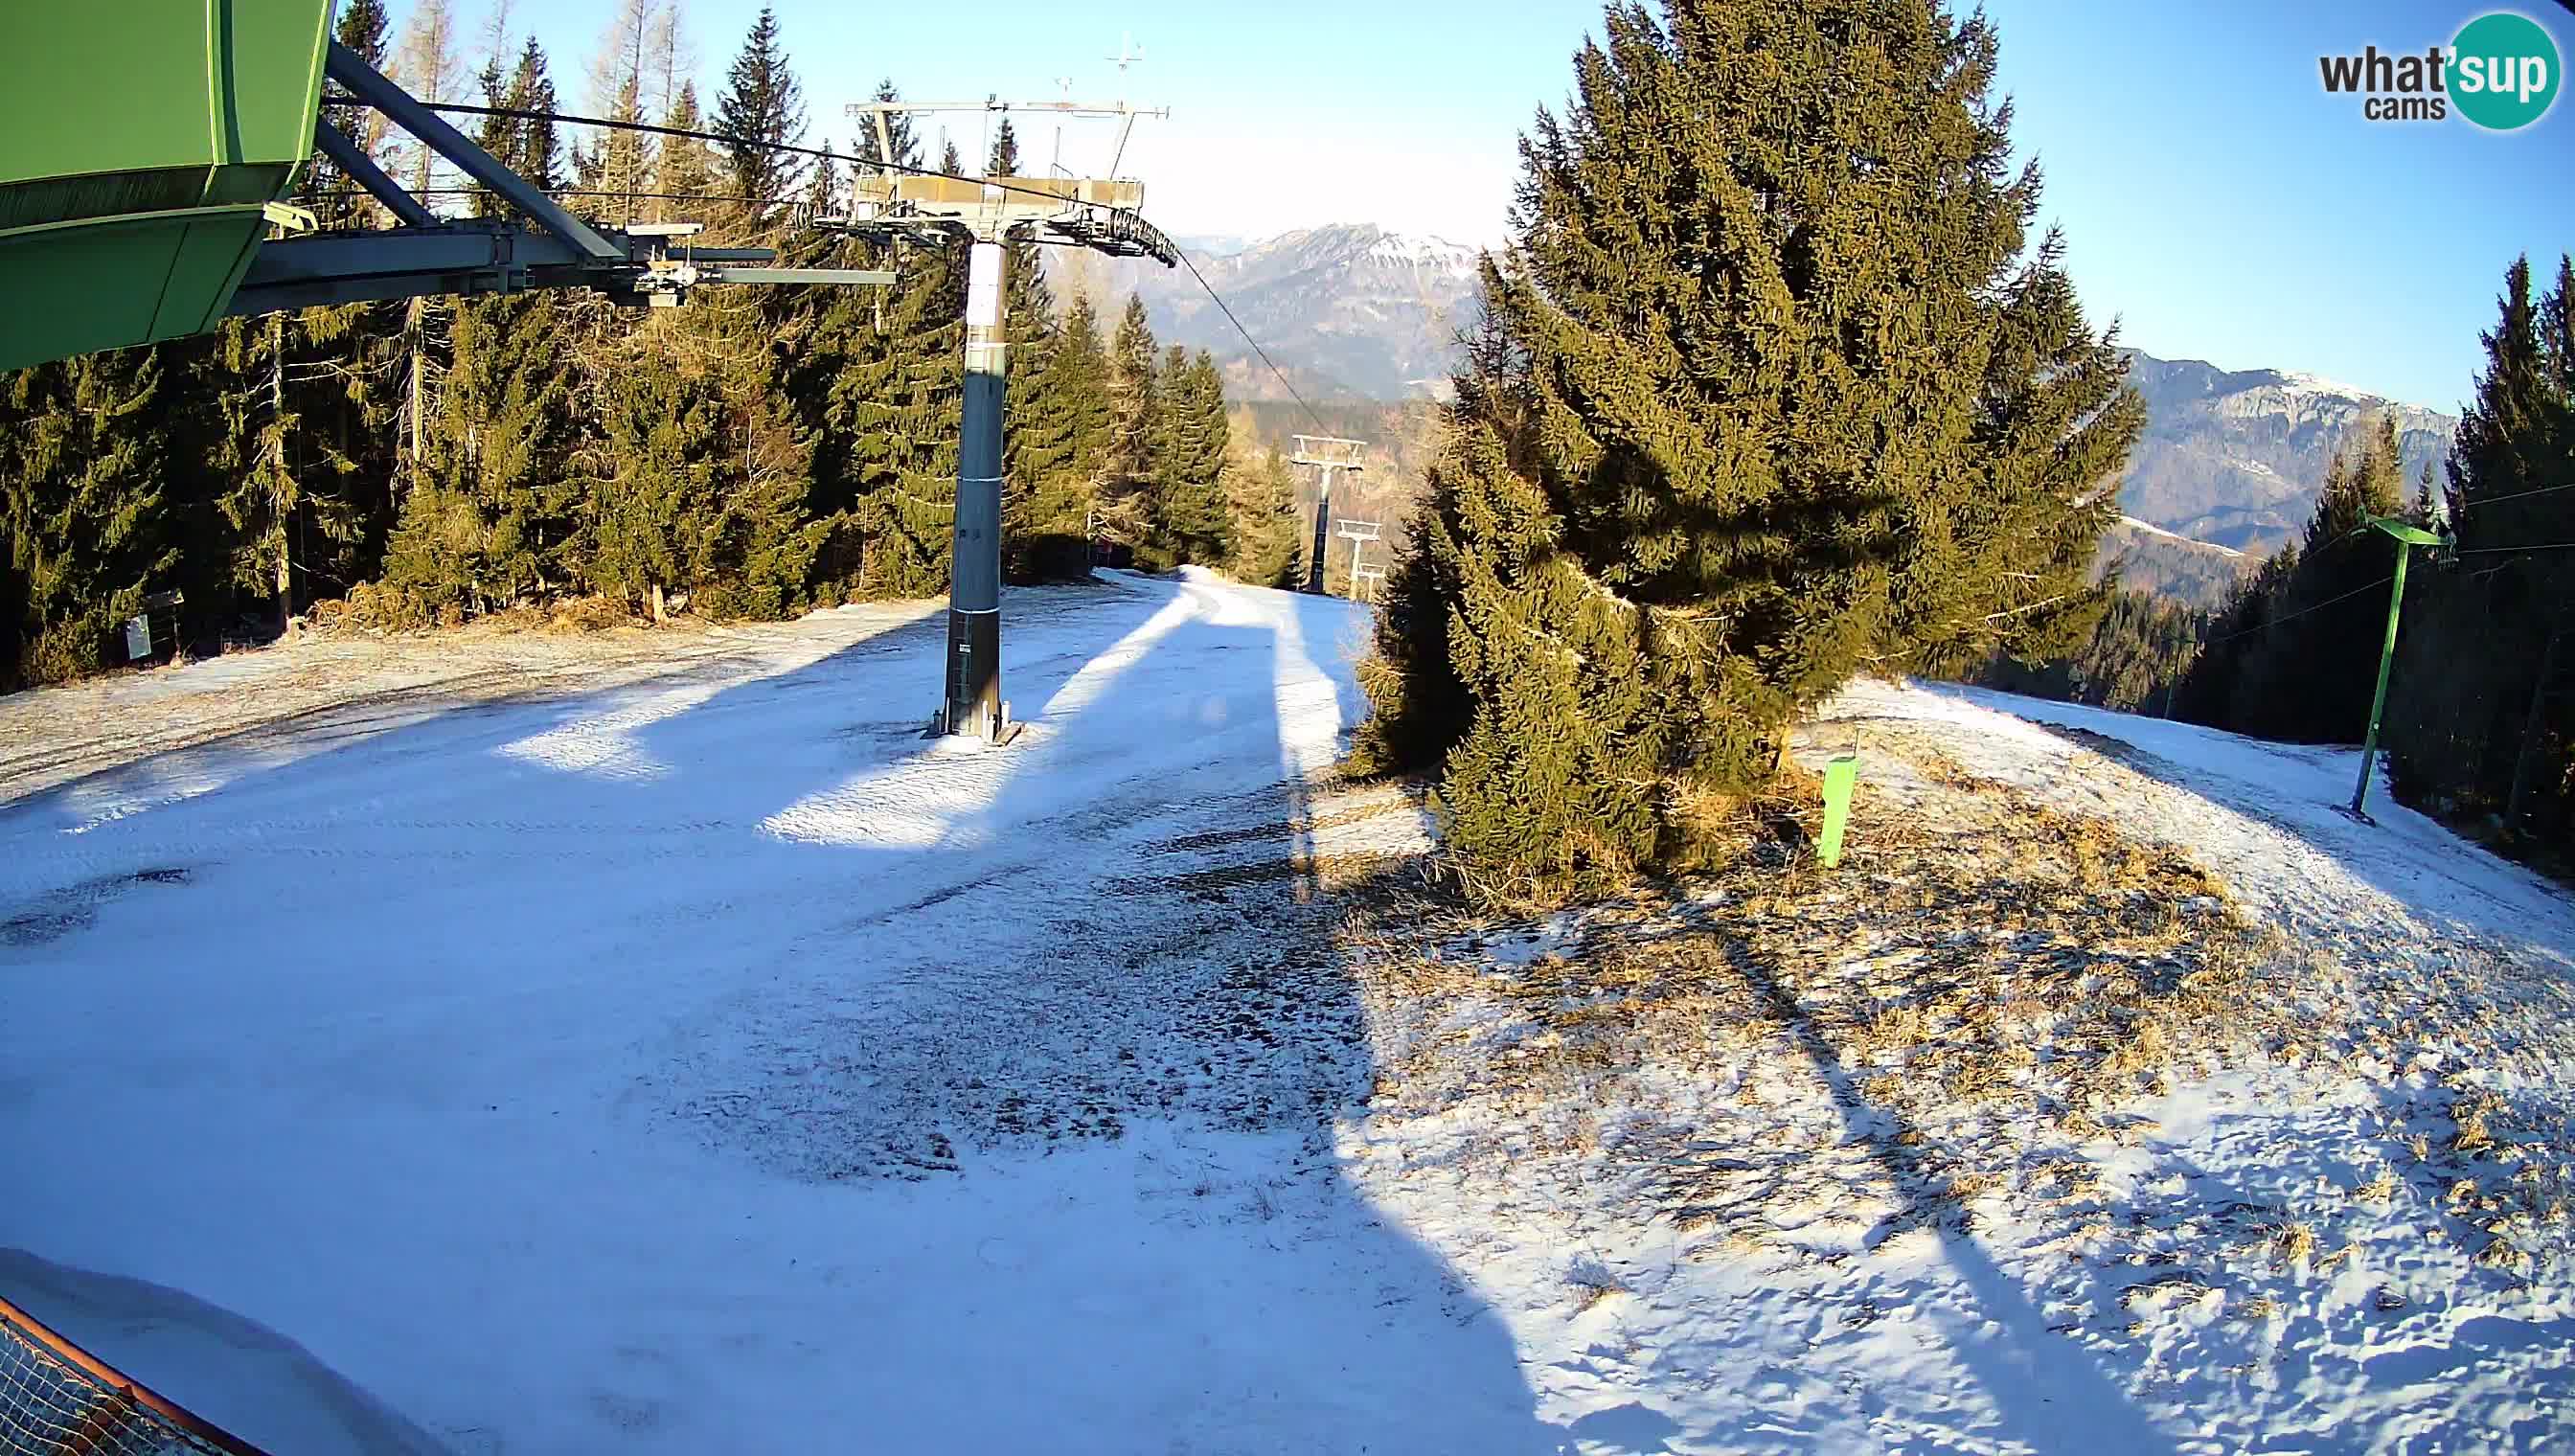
x=432 y=461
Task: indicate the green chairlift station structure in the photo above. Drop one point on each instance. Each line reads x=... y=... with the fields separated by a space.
x=146 y=161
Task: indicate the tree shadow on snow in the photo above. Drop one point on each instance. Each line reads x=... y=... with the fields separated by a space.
x=2045 y=1391
x=712 y=1063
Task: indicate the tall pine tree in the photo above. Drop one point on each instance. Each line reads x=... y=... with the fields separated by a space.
x=1191 y=520
x=1134 y=422
x=335 y=197
x=1054 y=398
x=1262 y=498
x=495 y=512
x=761 y=108
x=875 y=378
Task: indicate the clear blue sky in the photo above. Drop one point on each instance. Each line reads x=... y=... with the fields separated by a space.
x=2215 y=199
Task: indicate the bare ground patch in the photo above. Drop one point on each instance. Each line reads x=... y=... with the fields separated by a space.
x=1979 y=995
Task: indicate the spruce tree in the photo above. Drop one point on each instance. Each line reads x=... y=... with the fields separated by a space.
x=653 y=487
x=338 y=202
x=875 y=378
x=1057 y=427
x=1053 y=395
x=1082 y=350
x=540 y=149
x=690 y=170
x=282 y=390
x=895 y=399
x=1029 y=303
x=907 y=146
x=823 y=194
x=760 y=107
x=1134 y=422
x=1191 y=520
x=498 y=135
x=1262 y=500
x=2509 y=439
x=492 y=517
x=763 y=550
x=261 y=428
x=85 y=527
x=1773 y=390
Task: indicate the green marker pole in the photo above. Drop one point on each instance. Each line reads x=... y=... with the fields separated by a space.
x=2407 y=538
x=1840 y=778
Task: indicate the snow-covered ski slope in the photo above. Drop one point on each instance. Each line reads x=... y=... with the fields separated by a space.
x=687 y=1057
x=607 y=1072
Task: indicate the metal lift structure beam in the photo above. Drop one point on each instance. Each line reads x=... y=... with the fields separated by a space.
x=468 y=256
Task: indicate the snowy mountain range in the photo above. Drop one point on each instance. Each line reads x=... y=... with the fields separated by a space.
x=2235 y=457
x=1350 y=310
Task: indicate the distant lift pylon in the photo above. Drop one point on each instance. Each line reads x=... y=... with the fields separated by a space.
x=1327 y=453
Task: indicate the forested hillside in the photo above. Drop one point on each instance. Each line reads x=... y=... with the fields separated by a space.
x=2479 y=721
x=2178 y=570
x=757 y=453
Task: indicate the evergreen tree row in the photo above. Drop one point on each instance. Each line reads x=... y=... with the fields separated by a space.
x=2133 y=661
x=754 y=454
x=2293 y=652
x=2481 y=705
x=2480 y=715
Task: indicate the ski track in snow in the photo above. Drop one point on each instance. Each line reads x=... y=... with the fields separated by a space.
x=696 y=1058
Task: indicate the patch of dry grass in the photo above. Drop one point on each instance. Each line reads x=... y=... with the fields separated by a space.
x=1593 y=1288
x=2001 y=978
x=2292 y=1243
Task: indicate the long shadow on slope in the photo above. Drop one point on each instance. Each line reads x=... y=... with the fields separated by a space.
x=1093 y=1013
x=2045 y=1389
x=443 y=715
x=625 y=1007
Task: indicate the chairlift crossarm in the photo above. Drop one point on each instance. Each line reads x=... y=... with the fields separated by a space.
x=648 y=264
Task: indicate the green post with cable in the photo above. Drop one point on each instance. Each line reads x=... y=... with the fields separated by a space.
x=2407 y=538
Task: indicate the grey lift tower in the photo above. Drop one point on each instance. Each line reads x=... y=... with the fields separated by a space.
x=1358 y=534
x=1326 y=455
x=1099 y=213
